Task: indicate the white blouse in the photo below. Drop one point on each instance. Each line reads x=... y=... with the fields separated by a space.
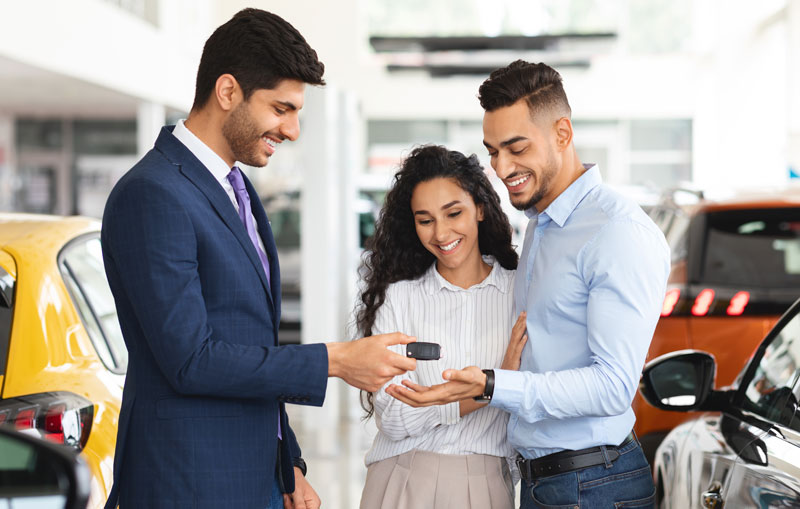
x=473 y=327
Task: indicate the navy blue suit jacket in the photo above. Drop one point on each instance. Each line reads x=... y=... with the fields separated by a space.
x=206 y=381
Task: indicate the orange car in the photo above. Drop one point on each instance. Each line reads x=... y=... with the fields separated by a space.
x=735 y=270
x=62 y=357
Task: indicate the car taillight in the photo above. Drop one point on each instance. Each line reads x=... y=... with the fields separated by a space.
x=670 y=301
x=738 y=303
x=25 y=419
x=61 y=417
x=703 y=302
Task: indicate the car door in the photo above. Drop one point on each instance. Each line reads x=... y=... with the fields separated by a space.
x=765 y=432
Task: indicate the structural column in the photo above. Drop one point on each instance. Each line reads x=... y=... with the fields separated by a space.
x=7 y=162
x=150 y=118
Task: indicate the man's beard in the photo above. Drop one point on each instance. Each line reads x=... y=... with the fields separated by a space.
x=243 y=136
x=545 y=181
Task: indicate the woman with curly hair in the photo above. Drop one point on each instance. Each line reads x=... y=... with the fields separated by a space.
x=441 y=267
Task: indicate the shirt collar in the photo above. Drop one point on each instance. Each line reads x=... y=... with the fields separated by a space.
x=566 y=202
x=213 y=162
x=433 y=281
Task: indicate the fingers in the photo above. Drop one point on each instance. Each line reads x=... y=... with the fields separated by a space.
x=396 y=338
x=299 y=500
x=519 y=326
x=415 y=387
x=458 y=375
x=288 y=503
x=401 y=363
x=405 y=396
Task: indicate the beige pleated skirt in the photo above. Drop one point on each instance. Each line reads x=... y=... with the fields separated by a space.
x=427 y=480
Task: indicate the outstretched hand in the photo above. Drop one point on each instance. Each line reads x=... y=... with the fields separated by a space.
x=367 y=363
x=461 y=384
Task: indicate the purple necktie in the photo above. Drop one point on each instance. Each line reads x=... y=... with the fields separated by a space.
x=243 y=199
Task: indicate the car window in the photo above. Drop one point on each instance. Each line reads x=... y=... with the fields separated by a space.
x=6 y=313
x=81 y=265
x=753 y=248
x=769 y=393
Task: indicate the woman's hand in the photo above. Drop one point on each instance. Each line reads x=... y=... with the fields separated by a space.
x=518 y=339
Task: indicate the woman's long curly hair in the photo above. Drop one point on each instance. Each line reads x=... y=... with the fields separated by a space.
x=395 y=253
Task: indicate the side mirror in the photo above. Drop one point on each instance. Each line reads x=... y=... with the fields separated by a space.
x=680 y=381
x=36 y=473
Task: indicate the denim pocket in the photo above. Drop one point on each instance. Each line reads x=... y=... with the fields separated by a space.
x=556 y=492
x=647 y=502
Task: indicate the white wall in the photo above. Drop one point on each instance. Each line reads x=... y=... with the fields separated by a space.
x=98 y=43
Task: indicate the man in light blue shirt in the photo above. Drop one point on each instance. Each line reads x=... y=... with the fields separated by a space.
x=591 y=279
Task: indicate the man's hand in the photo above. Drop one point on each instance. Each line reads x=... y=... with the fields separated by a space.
x=304 y=496
x=366 y=363
x=519 y=337
x=462 y=383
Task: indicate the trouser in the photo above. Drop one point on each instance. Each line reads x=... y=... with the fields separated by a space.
x=625 y=482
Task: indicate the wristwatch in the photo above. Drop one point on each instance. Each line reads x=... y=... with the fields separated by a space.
x=488 y=389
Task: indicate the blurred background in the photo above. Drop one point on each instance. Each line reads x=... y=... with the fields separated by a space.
x=699 y=94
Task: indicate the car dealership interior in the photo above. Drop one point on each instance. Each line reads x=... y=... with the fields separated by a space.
x=691 y=108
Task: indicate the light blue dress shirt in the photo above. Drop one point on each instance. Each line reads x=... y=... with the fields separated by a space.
x=592 y=278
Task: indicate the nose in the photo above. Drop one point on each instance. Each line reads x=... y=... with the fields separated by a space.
x=440 y=231
x=503 y=166
x=290 y=129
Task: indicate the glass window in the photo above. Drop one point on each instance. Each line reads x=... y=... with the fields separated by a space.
x=105 y=137
x=769 y=393
x=39 y=134
x=753 y=248
x=661 y=134
x=7 y=284
x=82 y=266
x=285 y=224
x=660 y=175
x=406 y=132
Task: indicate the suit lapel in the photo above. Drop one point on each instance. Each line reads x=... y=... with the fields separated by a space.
x=199 y=175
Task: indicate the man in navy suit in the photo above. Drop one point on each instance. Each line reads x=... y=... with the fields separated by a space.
x=192 y=264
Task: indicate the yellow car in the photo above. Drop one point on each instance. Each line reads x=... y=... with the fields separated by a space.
x=62 y=356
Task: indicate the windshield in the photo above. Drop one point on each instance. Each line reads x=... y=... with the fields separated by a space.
x=758 y=248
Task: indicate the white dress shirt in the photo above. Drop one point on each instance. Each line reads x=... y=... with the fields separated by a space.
x=214 y=164
x=473 y=327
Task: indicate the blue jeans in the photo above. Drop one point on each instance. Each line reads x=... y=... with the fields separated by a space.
x=625 y=483
x=276 y=497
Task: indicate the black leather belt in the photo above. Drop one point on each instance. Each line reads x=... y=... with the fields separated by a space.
x=569 y=461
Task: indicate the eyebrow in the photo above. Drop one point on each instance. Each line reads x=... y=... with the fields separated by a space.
x=288 y=104
x=507 y=142
x=444 y=207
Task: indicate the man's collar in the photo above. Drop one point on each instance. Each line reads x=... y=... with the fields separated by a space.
x=433 y=281
x=561 y=208
x=210 y=159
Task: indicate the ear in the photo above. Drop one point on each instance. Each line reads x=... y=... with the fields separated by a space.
x=480 y=212
x=563 y=133
x=227 y=92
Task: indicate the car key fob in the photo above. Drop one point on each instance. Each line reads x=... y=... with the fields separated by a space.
x=423 y=351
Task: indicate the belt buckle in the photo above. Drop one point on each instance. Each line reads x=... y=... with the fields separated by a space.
x=524 y=468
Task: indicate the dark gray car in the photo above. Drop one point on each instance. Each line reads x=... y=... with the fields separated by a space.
x=745 y=452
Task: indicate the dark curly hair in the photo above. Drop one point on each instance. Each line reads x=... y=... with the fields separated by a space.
x=395 y=253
